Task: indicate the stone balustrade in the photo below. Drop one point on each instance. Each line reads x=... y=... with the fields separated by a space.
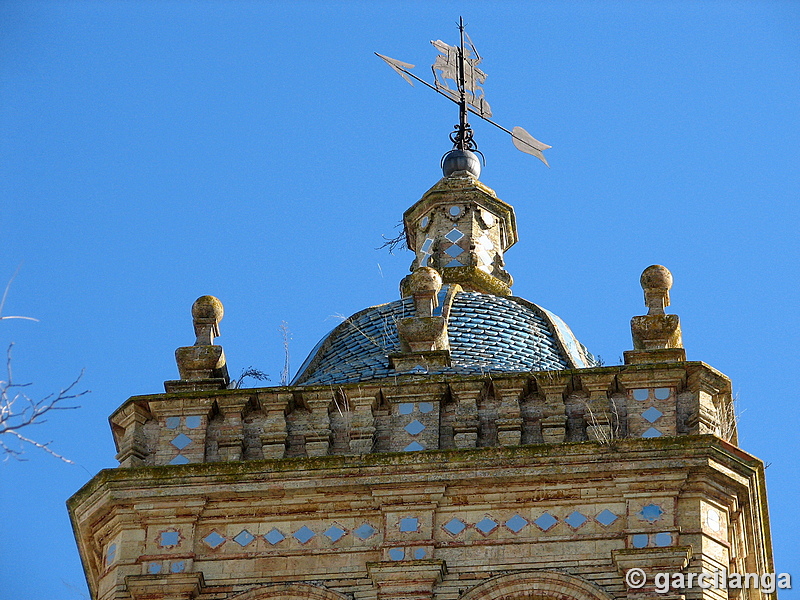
x=405 y=414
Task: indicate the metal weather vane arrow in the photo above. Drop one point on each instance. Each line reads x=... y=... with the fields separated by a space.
x=459 y=64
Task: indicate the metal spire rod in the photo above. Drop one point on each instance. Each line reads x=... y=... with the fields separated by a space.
x=454 y=64
x=463 y=126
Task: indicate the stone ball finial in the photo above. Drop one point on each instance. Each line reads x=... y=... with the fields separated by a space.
x=656 y=282
x=461 y=160
x=656 y=276
x=424 y=280
x=207 y=307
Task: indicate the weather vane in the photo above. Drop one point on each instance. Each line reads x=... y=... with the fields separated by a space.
x=459 y=65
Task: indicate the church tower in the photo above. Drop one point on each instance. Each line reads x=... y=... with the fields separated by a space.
x=456 y=443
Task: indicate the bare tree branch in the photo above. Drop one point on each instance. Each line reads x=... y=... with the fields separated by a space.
x=398 y=241
x=18 y=411
x=252 y=373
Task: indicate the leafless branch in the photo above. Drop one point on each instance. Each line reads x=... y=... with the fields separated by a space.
x=19 y=411
x=399 y=240
x=252 y=373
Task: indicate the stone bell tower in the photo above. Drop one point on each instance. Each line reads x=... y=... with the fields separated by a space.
x=458 y=443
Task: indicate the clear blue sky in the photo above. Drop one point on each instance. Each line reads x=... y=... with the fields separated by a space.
x=152 y=152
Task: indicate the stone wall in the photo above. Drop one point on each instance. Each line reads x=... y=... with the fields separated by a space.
x=441 y=525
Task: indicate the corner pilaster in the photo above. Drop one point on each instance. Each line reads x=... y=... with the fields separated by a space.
x=127 y=426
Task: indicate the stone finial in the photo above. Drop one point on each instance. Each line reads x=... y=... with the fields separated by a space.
x=202 y=366
x=656 y=282
x=656 y=335
x=423 y=284
x=423 y=337
x=207 y=312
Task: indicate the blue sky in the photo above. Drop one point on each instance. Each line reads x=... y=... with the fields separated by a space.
x=152 y=152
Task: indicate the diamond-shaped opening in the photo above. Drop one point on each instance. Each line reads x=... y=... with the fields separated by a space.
x=415 y=427
x=575 y=519
x=406 y=408
x=169 y=538
x=274 y=536
x=641 y=394
x=516 y=523
x=180 y=459
x=334 y=533
x=455 y=526
x=173 y=422
x=193 y=422
x=663 y=539
x=365 y=531
x=177 y=567
x=486 y=525
x=414 y=447
x=154 y=568
x=409 y=524
x=652 y=414
x=639 y=540
x=303 y=534
x=606 y=518
x=214 y=540
x=454 y=235
x=397 y=553
x=244 y=537
x=426 y=245
x=651 y=512
x=111 y=554
x=420 y=553
x=651 y=433
x=181 y=441
x=454 y=250
x=662 y=393
x=485 y=257
x=546 y=521
x=425 y=407
x=713 y=520
x=454 y=263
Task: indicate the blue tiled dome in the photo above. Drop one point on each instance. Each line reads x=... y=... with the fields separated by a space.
x=487 y=334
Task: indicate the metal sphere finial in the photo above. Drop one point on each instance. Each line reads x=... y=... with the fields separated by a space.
x=461 y=160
